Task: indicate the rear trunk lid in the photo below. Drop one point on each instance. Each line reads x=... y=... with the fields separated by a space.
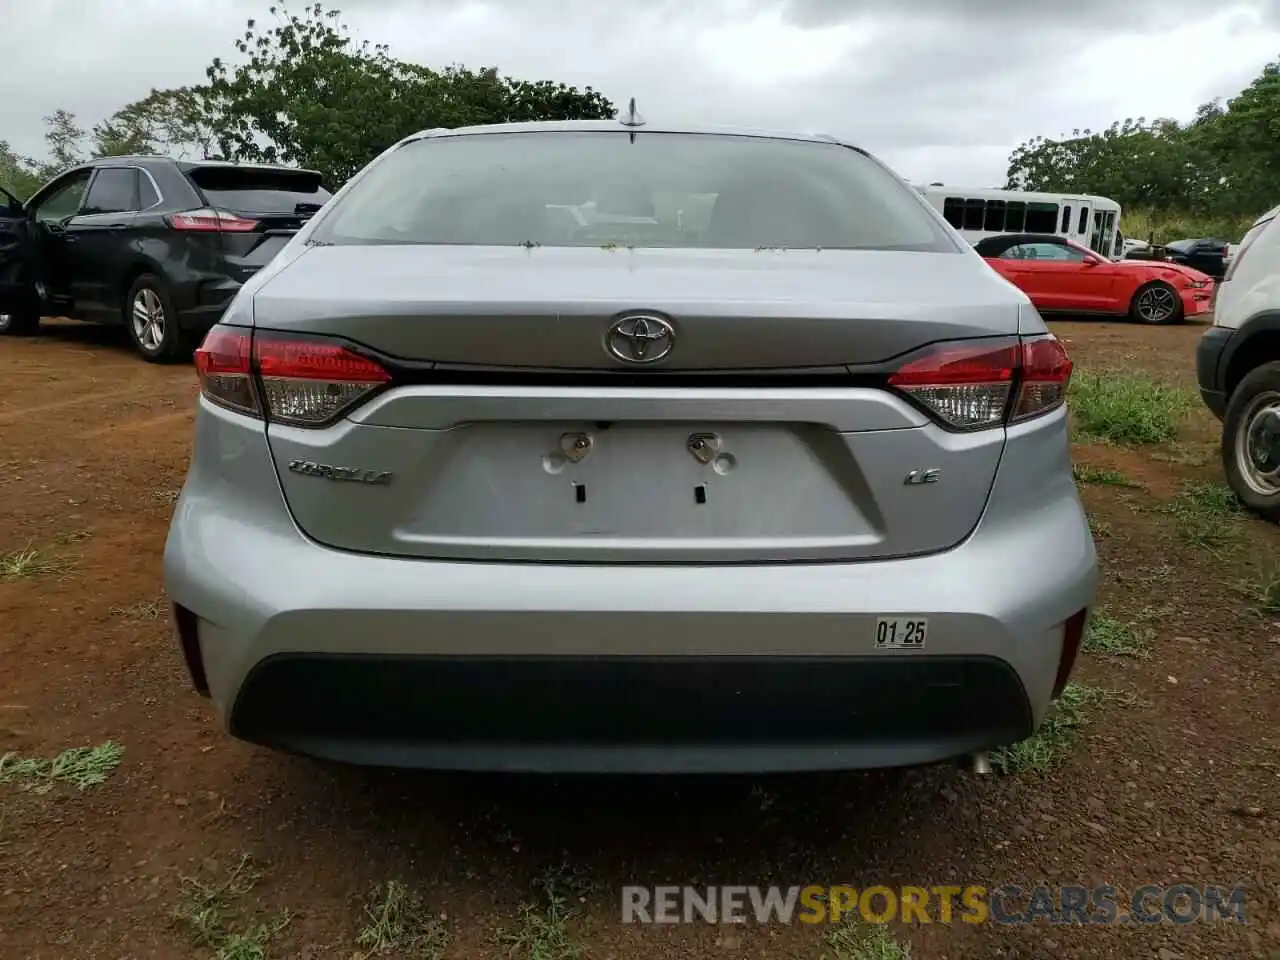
x=512 y=433
x=278 y=199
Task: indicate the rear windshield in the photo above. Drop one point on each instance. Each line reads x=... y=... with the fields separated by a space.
x=659 y=190
x=246 y=190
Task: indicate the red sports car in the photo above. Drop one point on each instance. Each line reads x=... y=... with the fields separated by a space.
x=1063 y=277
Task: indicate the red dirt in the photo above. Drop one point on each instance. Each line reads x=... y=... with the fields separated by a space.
x=1181 y=786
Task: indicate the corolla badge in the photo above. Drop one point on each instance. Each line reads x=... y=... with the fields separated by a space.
x=309 y=468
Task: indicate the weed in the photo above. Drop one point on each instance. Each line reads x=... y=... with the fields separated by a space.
x=83 y=766
x=1057 y=736
x=252 y=944
x=206 y=912
x=852 y=941
x=1099 y=526
x=143 y=609
x=1206 y=515
x=204 y=904
x=399 y=926
x=1262 y=589
x=1109 y=637
x=543 y=932
x=1126 y=408
x=29 y=562
x=1084 y=473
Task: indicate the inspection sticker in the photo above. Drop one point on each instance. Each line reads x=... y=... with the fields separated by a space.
x=901 y=633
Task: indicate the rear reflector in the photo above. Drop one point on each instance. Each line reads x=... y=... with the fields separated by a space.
x=304 y=382
x=968 y=385
x=1072 y=638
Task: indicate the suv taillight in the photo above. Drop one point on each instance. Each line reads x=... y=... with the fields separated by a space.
x=303 y=382
x=973 y=384
x=209 y=220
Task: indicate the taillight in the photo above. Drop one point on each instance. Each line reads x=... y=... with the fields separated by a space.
x=309 y=382
x=1043 y=376
x=974 y=384
x=223 y=366
x=209 y=220
x=303 y=382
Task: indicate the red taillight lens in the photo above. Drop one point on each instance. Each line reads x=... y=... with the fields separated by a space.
x=966 y=385
x=306 y=383
x=1042 y=379
x=222 y=364
x=309 y=382
x=970 y=385
x=209 y=220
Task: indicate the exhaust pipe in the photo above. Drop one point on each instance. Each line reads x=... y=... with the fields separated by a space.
x=980 y=763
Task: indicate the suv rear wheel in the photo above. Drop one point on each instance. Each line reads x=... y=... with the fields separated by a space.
x=153 y=323
x=1251 y=441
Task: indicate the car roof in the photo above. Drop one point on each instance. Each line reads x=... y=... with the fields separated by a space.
x=595 y=126
x=1025 y=238
x=188 y=164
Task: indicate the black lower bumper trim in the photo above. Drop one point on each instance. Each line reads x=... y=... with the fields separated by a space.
x=616 y=714
x=1210 y=370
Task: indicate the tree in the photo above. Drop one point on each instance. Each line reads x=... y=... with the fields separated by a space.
x=65 y=138
x=175 y=123
x=17 y=173
x=1223 y=162
x=307 y=93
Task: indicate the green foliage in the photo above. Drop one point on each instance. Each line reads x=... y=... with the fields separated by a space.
x=17 y=173
x=1222 y=165
x=302 y=92
x=309 y=94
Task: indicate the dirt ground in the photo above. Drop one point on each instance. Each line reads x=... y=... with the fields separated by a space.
x=1176 y=780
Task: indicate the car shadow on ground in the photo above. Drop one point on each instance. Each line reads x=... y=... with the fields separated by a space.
x=649 y=830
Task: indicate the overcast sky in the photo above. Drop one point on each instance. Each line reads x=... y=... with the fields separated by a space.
x=942 y=89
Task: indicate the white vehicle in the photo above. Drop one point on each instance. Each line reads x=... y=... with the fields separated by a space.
x=977 y=213
x=1238 y=366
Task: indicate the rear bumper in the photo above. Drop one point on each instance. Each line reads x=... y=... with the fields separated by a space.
x=609 y=668
x=201 y=303
x=1210 y=368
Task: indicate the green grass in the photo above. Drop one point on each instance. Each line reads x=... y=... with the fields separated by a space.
x=1169 y=225
x=1102 y=476
x=1109 y=637
x=1058 y=735
x=542 y=931
x=1128 y=409
x=207 y=912
x=84 y=767
x=1262 y=589
x=1207 y=516
x=29 y=562
x=855 y=941
x=399 y=926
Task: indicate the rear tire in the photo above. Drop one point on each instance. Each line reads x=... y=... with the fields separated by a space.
x=1156 y=303
x=23 y=322
x=153 y=323
x=1251 y=441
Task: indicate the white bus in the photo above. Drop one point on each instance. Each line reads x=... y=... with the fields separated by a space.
x=1090 y=221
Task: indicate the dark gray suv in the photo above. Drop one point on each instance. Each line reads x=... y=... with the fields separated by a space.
x=155 y=244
